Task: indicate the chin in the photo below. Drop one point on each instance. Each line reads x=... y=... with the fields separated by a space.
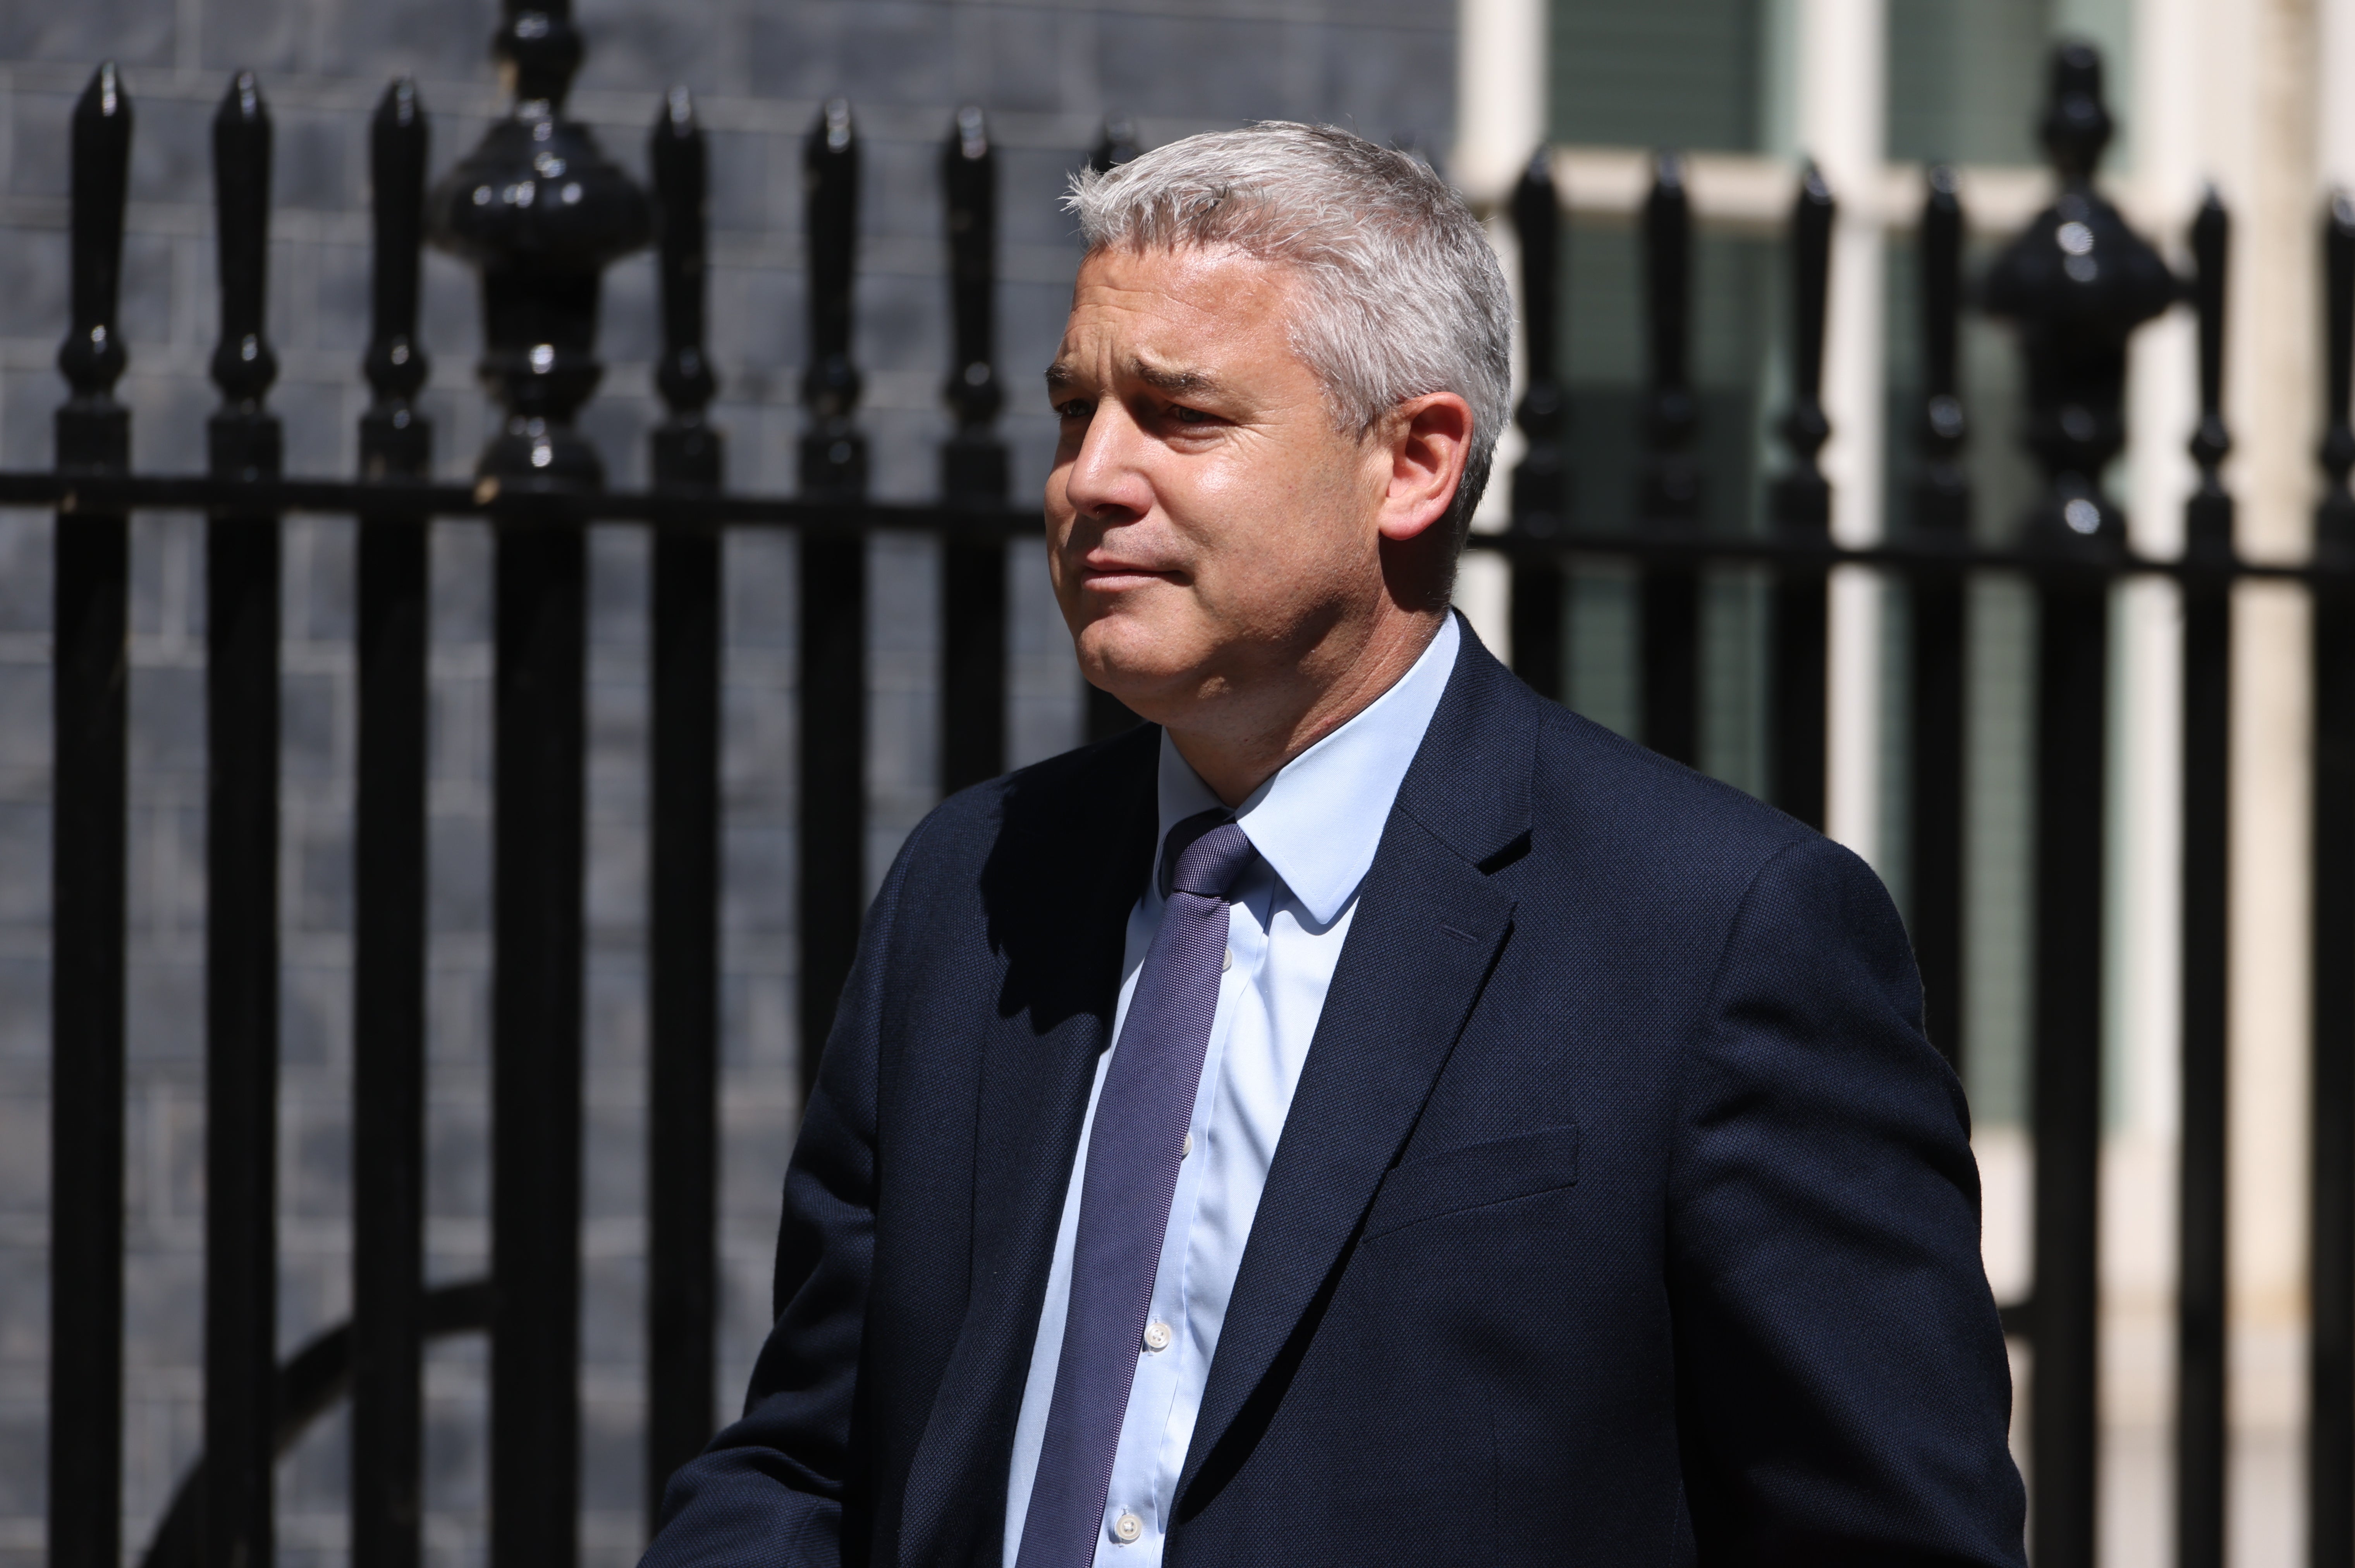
x=1134 y=660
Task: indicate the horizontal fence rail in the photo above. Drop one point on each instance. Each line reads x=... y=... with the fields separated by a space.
x=540 y=210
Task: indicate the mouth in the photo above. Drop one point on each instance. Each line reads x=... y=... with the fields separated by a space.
x=1121 y=577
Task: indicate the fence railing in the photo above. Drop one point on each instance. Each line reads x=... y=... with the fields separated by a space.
x=540 y=212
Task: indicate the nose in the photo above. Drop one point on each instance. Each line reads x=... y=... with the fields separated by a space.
x=1106 y=483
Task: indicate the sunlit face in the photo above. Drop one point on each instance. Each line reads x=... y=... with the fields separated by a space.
x=1207 y=525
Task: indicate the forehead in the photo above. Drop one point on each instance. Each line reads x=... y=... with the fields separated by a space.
x=1192 y=304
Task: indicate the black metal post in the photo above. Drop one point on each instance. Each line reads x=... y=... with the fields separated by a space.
x=241 y=578
x=973 y=470
x=540 y=210
x=389 y=882
x=2071 y=691
x=2200 y=1306
x=1941 y=512
x=2076 y=283
x=90 y=679
x=537 y=736
x=2331 y=1364
x=1541 y=482
x=1669 y=499
x=1107 y=715
x=833 y=598
x=682 y=1120
x=1802 y=509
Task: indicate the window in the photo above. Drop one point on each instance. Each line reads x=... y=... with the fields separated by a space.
x=1663 y=73
x=1965 y=79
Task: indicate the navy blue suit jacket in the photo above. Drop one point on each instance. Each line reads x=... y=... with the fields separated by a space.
x=1623 y=1214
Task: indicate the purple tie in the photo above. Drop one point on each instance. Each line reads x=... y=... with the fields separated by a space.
x=1131 y=1176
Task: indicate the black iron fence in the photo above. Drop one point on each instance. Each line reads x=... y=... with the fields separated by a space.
x=540 y=210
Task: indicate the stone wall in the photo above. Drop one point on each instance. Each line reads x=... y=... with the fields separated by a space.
x=1048 y=73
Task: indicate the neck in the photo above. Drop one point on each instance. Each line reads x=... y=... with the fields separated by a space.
x=1240 y=742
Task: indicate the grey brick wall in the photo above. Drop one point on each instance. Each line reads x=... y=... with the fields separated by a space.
x=1048 y=73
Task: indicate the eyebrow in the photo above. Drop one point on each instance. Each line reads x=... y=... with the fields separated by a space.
x=1178 y=383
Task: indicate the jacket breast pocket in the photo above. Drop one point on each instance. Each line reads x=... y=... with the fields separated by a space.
x=1474 y=1177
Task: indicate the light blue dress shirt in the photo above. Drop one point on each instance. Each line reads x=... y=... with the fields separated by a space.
x=1316 y=826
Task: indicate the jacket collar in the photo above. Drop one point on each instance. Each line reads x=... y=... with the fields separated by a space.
x=1469 y=784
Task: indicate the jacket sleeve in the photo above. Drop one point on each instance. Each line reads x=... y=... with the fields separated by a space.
x=769 y=1491
x=1842 y=1389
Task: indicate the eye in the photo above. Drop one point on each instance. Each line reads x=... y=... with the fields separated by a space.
x=1184 y=415
x=1075 y=409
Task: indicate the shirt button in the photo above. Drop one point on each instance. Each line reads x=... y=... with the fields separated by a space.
x=1127 y=1527
x=1156 y=1337
x=1188 y=1152
x=1229 y=961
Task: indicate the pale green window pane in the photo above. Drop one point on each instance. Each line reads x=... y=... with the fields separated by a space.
x=1663 y=73
x=1998 y=907
x=1966 y=78
x=1601 y=680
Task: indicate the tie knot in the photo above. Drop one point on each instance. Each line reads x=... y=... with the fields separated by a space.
x=1204 y=855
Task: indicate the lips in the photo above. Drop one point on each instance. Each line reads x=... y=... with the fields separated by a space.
x=1115 y=577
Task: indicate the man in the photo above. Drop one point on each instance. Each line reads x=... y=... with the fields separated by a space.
x=1368 y=1114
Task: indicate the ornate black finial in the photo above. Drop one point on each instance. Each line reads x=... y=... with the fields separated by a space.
x=1116 y=146
x=93 y=430
x=2076 y=283
x=1541 y=482
x=1671 y=482
x=395 y=439
x=542 y=210
x=973 y=465
x=686 y=449
x=1801 y=497
x=2208 y=534
x=538 y=49
x=2334 y=519
x=834 y=453
x=244 y=437
x=1942 y=493
x=2077 y=127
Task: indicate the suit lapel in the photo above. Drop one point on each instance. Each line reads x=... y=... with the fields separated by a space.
x=1059 y=887
x=1426 y=935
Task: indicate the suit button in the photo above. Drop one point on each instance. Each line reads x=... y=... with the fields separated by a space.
x=1156 y=1337
x=1127 y=1527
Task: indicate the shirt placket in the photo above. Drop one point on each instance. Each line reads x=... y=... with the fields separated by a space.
x=1143 y=1492
x=1247 y=948
x=1173 y=1304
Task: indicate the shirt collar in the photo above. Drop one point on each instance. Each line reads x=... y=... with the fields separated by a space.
x=1319 y=820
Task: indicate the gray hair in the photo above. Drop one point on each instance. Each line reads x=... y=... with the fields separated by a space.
x=1404 y=295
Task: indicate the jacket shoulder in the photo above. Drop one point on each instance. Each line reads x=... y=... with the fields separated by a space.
x=1066 y=796
x=1506 y=775
x=1653 y=819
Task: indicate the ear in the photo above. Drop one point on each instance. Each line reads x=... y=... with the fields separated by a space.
x=1423 y=443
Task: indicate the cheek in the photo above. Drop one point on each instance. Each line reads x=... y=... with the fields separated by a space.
x=1297 y=500
x=1276 y=535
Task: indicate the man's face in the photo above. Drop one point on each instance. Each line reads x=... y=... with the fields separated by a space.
x=1207 y=525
